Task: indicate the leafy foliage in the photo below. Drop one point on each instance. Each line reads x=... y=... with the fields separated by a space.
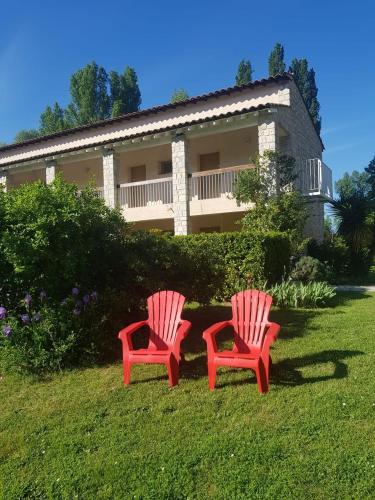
x=52 y=120
x=90 y=100
x=179 y=95
x=290 y=294
x=222 y=264
x=26 y=134
x=334 y=253
x=304 y=78
x=125 y=93
x=355 y=216
x=244 y=73
x=277 y=206
x=308 y=269
x=39 y=336
x=370 y=171
x=94 y=97
x=53 y=236
x=276 y=63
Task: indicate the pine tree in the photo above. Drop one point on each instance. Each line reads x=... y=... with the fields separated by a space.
x=276 y=64
x=179 y=95
x=125 y=93
x=52 y=120
x=90 y=100
x=244 y=73
x=305 y=81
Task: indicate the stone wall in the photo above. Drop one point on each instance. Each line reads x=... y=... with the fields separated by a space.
x=110 y=177
x=180 y=166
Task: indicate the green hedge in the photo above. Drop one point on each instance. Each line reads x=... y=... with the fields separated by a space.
x=221 y=264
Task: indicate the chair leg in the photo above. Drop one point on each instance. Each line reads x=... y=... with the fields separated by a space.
x=127 y=371
x=262 y=378
x=173 y=371
x=211 y=376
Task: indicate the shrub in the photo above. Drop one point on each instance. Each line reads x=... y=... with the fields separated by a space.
x=290 y=294
x=334 y=253
x=309 y=269
x=229 y=262
x=53 y=236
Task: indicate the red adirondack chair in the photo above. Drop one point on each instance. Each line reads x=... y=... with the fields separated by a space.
x=253 y=336
x=167 y=330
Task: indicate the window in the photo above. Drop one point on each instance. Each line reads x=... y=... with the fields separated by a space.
x=138 y=174
x=209 y=161
x=165 y=167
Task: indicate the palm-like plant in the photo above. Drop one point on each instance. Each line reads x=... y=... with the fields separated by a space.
x=355 y=220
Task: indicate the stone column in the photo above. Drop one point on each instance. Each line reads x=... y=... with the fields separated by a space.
x=314 y=227
x=4 y=181
x=50 y=171
x=180 y=169
x=268 y=141
x=110 y=177
x=267 y=135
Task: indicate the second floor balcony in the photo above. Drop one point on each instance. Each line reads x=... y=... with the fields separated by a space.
x=211 y=191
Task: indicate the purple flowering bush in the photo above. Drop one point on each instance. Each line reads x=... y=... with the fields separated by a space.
x=41 y=335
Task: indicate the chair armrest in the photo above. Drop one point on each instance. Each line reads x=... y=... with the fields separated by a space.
x=270 y=337
x=183 y=329
x=209 y=334
x=273 y=330
x=181 y=334
x=126 y=333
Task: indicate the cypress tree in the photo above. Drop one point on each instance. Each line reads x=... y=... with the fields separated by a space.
x=244 y=73
x=305 y=81
x=276 y=64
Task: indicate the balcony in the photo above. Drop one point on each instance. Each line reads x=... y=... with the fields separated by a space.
x=315 y=179
x=211 y=192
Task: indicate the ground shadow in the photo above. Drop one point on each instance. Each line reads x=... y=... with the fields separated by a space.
x=287 y=372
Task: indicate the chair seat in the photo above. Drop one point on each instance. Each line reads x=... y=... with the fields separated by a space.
x=150 y=352
x=255 y=354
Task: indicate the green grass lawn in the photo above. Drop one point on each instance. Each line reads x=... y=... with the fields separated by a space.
x=83 y=435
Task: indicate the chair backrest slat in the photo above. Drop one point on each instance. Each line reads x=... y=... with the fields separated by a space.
x=250 y=310
x=164 y=315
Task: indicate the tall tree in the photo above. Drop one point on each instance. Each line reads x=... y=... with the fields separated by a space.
x=90 y=99
x=52 y=120
x=179 y=95
x=305 y=81
x=354 y=213
x=370 y=170
x=26 y=134
x=125 y=93
x=276 y=64
x=244 y=73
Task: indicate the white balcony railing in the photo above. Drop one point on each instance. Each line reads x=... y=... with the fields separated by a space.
x=315 y=178
x=146 y=193
x=214 y=183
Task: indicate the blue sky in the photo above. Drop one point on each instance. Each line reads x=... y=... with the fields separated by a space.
x=196 y=45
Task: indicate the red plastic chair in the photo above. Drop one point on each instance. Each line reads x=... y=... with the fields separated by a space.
x=167 y=330
x=253 y=336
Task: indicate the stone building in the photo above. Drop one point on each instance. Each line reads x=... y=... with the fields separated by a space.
x=173 y=166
